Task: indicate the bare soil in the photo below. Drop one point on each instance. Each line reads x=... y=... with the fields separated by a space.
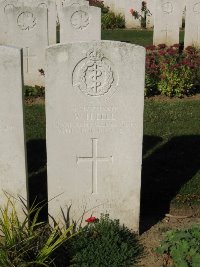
x=150 y=239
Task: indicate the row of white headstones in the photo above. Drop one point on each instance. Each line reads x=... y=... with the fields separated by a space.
x=166 y=18
x=94 y=117
x=123 y=7
x=94 y=128
x=31 y=24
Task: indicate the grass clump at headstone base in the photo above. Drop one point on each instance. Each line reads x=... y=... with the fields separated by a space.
x=181 y=247
x=26 y=243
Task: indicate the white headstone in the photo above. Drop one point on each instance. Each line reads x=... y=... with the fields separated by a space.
x=131 y=22
x=74 y=3
x=13 y=176
x=151 y=8
x=192 y=23
x=119 y=7
x=166 y=23
x=27 y=28
x=81 y=23
x=94 y=109
x=48 y=5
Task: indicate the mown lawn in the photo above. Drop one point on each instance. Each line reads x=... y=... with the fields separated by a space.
x=171 y=151
x=140 y=37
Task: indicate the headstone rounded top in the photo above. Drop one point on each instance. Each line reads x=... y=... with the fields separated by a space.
x=196 y=8
x=167 y=8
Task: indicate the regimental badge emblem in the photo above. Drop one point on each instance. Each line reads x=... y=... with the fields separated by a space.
x=26 y=21
x=94 y=75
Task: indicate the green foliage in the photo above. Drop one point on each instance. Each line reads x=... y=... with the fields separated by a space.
x=171 y=71
x=104 y=243
x=181 y=247
x=27 y=243
x=36 y=91
x=111 y=20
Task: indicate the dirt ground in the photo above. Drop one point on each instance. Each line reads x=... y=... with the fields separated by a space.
x=152 y=237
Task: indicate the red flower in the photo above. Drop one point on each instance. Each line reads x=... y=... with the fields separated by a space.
x=91 y=219
x=131 y=11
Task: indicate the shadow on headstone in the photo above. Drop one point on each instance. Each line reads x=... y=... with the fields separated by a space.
x=164 y=172
x=37 y=183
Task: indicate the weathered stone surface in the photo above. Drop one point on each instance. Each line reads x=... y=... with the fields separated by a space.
x=49 y=5
x=26 y=27
x=12 y=145
x=166 y=22
x=192 y=23
x=80 y=23
x=94 y=112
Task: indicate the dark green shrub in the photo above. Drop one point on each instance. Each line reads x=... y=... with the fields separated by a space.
x=104 y=243
x=34 y=91
x=181 y=248
x=111 y=20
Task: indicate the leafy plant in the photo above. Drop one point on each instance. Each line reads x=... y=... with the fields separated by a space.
x=28 y=243
x=36 y=91
x=109 y=20
x=172 y=71
x=142 y=15
x=181 y=248
x=104 y=242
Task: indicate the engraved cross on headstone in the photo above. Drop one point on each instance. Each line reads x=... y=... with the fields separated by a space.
x=94 y=159
x=166 y=30
x=27 y=56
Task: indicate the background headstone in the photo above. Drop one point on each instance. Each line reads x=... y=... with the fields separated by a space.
x=166 y=22
x=119 y=7
x=26 y=27
x=13 y=176
x=81 y=23
x=151 y=8
x=49 y=5
x=74 y=3
x=192 y=23
x=131 y=22
x=95 y=128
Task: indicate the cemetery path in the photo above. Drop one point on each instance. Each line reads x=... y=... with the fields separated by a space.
x=152 y=237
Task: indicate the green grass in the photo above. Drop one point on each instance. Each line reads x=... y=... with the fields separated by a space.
x=171 y=151
x=140 y=37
